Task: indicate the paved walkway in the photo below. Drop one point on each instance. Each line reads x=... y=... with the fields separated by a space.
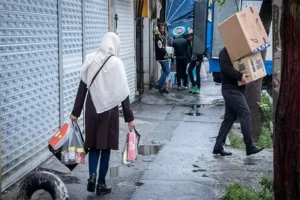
x=184 y=168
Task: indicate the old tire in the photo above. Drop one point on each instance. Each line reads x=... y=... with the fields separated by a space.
x=43 y=181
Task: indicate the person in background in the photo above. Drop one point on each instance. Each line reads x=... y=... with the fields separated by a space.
x=196 y=61
x=162 y=58
x=105 y=91
x=183 y=53
x=235 y=106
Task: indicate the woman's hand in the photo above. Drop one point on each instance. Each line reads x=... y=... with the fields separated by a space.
x=131 y=125
x=73 y=118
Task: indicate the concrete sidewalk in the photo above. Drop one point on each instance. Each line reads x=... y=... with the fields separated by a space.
x=184 y=168
x=180 y=171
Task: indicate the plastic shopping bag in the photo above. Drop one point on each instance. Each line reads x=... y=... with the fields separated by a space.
x=131 y=147
x=203 y=71
x=71 y=152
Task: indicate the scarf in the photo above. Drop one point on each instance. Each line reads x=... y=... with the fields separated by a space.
x=110 y=87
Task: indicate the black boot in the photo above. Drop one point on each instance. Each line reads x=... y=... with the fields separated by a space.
x=164 y=91
x=222 y=153
x=157 y=87
x=103 y=189
x=91 y=186
x=253 y=150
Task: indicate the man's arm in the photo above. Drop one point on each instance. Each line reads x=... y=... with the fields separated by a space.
x=227 y=67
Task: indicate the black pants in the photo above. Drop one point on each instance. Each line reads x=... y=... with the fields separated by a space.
x=235 y=106
x=198 y=67
x=181 y=65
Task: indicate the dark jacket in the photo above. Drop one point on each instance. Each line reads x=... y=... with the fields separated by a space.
x=182 y=48
x=229 y=75
x=160 y=47
x=101 y=130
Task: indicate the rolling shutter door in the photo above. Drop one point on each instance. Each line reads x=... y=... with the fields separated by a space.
x=29 y=84
x=72 y=53
x=125 y=30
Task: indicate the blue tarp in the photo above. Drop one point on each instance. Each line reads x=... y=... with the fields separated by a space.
x=179 y=16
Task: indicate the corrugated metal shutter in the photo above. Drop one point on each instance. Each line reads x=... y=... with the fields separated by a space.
x=29 y=84
x=95 y=26
x=72 y=52
x=29 y=79
x=96 y=23
x=125 y=30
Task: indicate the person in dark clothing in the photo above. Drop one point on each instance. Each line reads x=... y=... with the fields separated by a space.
x=102 y=93
x=162 y=58
x=235 y=106
x=183 y=53
x=196 y=61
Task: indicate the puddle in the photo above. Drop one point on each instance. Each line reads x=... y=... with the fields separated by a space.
x=130 y=184
x=198 y=168
x=114 y=172
x=177 y=96
x=193 y=114
x=139 y=184
x=194 y=111
x=147 y=150
x=251 y=161
x=70 y=179
x=219 y=102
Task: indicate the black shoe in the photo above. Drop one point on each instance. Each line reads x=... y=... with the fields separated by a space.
x=222 y=153
x=157 y=87
x=91 y=186
x=253 y=150
x=164 y=91
x=103 y=189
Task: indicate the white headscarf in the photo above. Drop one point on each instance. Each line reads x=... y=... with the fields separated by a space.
x=110 y=87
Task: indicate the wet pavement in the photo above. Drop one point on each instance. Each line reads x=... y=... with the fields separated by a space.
x=176 y=160
x=210 y=94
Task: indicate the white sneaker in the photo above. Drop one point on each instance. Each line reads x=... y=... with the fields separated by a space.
x=179 y=88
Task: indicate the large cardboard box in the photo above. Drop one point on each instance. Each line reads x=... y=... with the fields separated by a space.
x=243 y=33
x=253 y=65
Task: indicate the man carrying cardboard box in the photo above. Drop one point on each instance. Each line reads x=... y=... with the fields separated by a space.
x=235 y=106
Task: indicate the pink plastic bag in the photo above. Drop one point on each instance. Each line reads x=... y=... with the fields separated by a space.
x=131 y=147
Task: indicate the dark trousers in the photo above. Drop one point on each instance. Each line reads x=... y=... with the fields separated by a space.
x=190 y=70
x=94 y=156
x=235 y=106
x=181 y=65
